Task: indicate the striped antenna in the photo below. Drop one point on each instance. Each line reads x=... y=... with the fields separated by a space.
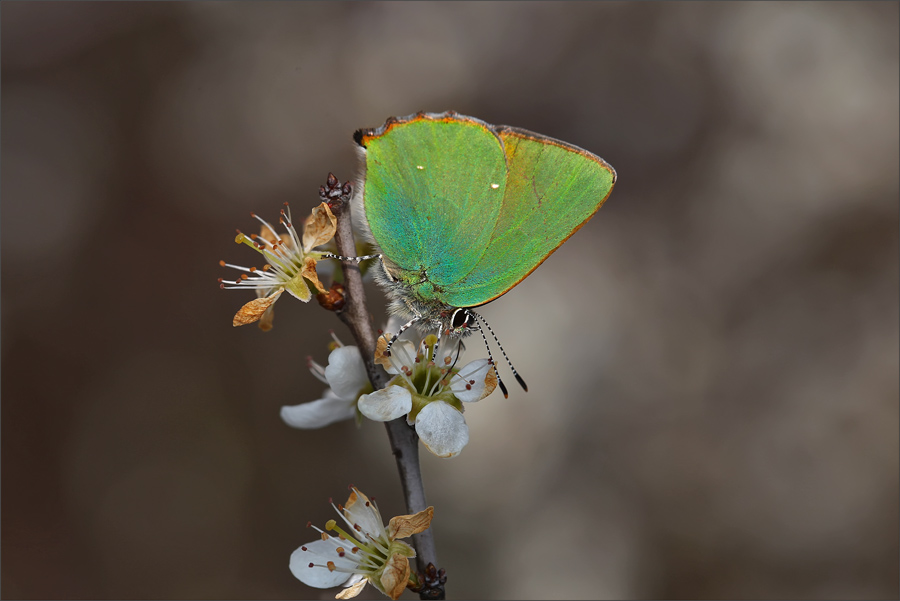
x=508 y=362
x=491 y=359
x=354 y=259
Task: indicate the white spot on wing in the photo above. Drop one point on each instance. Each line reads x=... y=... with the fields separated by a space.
x=419 y=167
x=495 y=186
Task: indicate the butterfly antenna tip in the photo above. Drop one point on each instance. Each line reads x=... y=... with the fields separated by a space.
x=497 y=340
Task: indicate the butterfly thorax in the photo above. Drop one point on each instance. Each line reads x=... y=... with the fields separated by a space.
x=412 y=295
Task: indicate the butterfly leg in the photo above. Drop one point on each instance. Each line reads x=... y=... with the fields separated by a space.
x=403 y=328
x=437 y=343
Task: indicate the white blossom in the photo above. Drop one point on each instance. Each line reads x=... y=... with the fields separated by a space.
x=365 y=552
x=429 y=391
x=347 y=380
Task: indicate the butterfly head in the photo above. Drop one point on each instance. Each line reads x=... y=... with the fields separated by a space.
x=461 y=323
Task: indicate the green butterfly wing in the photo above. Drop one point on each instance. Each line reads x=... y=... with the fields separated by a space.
x=428 y=197
x=474 y=207
x=552 y=189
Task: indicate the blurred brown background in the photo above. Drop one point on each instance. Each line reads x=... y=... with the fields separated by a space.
x=713 y=360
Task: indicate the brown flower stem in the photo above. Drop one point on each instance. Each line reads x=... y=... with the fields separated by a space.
x=404 y=440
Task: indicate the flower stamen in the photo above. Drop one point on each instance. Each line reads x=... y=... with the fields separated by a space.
x=265 y=224
x=332 y=525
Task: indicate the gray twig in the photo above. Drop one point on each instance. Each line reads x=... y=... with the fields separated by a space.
x=404 y=440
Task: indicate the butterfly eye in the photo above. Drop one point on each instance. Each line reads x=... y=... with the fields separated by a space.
x=461 y=318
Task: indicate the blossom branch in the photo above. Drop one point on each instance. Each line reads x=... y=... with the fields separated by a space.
x=403 y=439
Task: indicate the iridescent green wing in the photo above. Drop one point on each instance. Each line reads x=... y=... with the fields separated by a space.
x=552 y=189
x=434 y=186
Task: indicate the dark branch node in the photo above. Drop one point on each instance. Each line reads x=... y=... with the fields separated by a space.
x=432 y=583
x=335 y=193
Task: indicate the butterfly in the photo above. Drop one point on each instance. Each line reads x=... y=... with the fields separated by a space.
x=461 y=211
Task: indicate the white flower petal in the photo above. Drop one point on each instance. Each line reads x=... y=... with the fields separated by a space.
x=390 y=368
x=320 y=552
x=403 y=353
x=320 y=413
x=386 y=404
x=364 y=516
x=475 y=371
x=346 y=373
x=442 y=428
x=449 y=348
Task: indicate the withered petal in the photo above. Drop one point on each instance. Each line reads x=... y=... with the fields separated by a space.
x=352 y=591
x=490 y=383
x=380 y=347
x=253 y=310
x=266 y=321
x=395 y=576
x=402 y=526
x=319 y=228
x=309 y=272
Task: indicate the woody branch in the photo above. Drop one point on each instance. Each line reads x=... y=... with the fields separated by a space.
x=403 y=439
